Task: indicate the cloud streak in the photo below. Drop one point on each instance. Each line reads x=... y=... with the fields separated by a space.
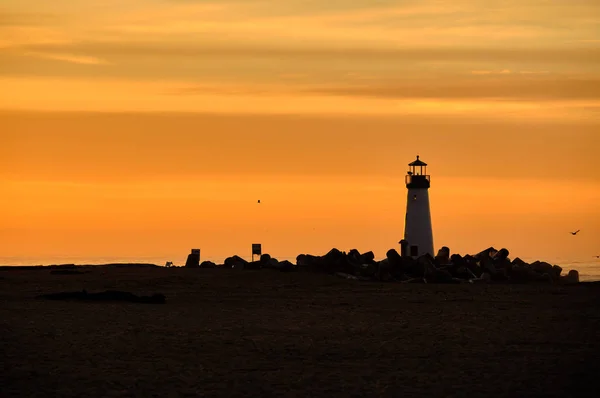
x=408 y=54
x=71 y=58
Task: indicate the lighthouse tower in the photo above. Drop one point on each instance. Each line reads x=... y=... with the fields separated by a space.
x=418 y=235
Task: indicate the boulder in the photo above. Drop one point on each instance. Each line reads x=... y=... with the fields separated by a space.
x=501 y=254
x=489 y=252
x=384 y=271
x=368 y=270
x=518 y=262
x=273 y=263
x=520 y=271
x=193 y=260
x=286 y=266
x=265 y=259
x=542 y=267
x=571 y=278
x=487 y=265
x=235 y=262
x=395 y=264
x=253 y=265
x=336 y=261
x=308 y=261
x=354 y=256
x=426 y=266
x=557 y=270
x=443 y=256
x=367 y=258
x=208 y=264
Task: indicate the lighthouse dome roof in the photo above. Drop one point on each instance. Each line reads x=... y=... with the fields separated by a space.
x=418 y=162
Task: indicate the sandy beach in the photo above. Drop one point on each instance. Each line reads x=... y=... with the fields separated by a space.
x=267 y=333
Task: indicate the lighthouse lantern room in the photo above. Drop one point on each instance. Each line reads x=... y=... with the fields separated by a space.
x=418 y=234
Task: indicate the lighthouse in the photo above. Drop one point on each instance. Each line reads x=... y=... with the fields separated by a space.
x=418 y=234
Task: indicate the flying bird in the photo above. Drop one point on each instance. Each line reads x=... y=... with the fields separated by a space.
x=575 y=233
x=259 y=201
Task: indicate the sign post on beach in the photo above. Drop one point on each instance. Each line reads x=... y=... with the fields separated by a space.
x=256 y=250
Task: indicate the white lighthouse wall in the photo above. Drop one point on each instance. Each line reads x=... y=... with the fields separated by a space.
x=417 y=227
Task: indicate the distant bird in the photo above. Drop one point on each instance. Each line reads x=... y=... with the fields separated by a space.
x=575 y=233
x=597 y=256
x=259 y=201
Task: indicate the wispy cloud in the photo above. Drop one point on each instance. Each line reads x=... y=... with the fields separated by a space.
x=405 y=54
x=511 y=87
x=28 y=19
x=71 y=58
x=491 y=72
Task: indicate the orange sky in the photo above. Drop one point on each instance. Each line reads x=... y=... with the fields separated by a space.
x=145 y=128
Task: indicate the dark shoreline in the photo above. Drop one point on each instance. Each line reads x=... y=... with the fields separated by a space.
x=77 y=266
x=54 y=267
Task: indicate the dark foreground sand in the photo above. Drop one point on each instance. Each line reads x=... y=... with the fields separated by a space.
x=271 y=334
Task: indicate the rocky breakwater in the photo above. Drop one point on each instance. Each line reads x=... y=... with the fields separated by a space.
x=488 y=266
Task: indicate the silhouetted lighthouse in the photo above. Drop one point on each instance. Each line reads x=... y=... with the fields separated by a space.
x=418 y=235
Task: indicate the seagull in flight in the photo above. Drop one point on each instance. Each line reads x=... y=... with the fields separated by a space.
x=575 y=233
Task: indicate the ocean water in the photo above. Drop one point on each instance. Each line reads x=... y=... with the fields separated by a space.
x=588 y=268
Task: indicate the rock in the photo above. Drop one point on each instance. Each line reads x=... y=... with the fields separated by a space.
x=367 y=258
x=443 y=256
x=395 y=264
x=286 y=266
x=384 y=271
x=368 y=270
x=457 y=260
x=443 y=276
x=336 y=261
x=557 y=271
x=472 y=266
x=253 y=265
x=501 y=255
x=354 y=256
x=541 y=267
x=332 y=262
x=520 y=271
x=489 y=252
x=426 y=267
x=235 y=262
x=571 y=278
x=518 y=262
x=193 y=259
x=502 y=263
x=273 y=263
x=487 y=265
x=307 y=260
